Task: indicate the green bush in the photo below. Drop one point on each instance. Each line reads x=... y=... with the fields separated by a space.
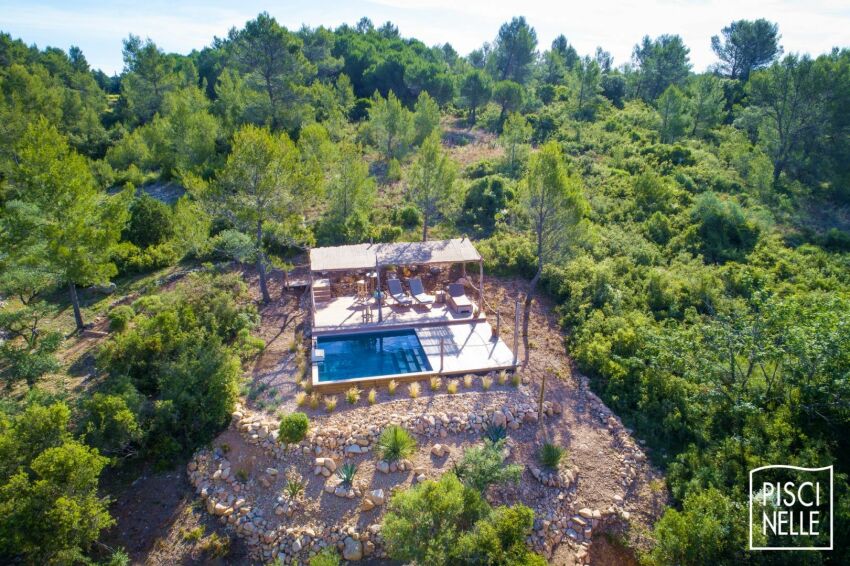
x=485 y=200
x=293 y=427
x=445 y=522
x=181 y=357
x=52 y=511
x=409 y=217
x=151 y=222
x=395 y=443
x=120 y=317
x=508 y=254
x=130 y=258
x=483 y=465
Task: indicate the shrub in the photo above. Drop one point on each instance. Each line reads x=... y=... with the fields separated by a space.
x=48 y=488
x=551 y=455
x=413 y=389
x=300 y=398
x=373 y=396
x=391 y=387
x=502 y=534
x=242 y=475
x=452 y=387
x=352 y=395
x=330 y=403
x=346 y=473
x=395 y=443
x=151 y=222
x=516 y=379
x=502 y=377
x=315 y=399
x=120 y=317
x=467 y=381
x=483 y=465
x=409 y=217
x=486 y=382
x=293 y=427
x=435 y=383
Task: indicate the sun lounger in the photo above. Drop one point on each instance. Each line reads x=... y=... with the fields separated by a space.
x=418 y=292
x=458 y=300
x=397 y=293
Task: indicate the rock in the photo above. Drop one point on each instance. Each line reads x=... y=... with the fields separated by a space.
x=367 y=505
x=271 y=471
x=499 y=419
x=296 y=546
x=437 y=450
x=352 y=549
x=376 y=496
x=383 y=466
x=329 y=487
x=219 y=509
x=586 y=513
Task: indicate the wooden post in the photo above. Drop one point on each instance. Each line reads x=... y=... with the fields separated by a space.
x=442 y=353
x=481 y=286
x=378 y=285
x=516 y=331
x=498 y=323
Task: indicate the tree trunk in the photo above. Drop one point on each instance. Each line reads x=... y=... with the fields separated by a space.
x=261 y=267
x=526 y=315
x=540 y=405
x=75 y=302
x=424 y=227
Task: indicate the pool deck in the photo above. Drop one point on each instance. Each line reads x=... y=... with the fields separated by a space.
x=467 y=348
x=346 y=313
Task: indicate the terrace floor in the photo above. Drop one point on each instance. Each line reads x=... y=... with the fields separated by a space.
x=466 y=348
x=347 y=313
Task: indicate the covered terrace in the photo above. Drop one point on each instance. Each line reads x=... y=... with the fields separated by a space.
x=349 y=285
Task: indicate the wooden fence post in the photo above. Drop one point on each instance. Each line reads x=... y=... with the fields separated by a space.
x=516 y=331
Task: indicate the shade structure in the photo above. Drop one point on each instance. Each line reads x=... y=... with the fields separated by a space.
x=367 y=256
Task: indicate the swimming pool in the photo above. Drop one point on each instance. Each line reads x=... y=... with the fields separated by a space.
x=371 y=354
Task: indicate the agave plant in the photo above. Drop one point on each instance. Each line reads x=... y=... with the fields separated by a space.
x=395 y=443
x=346 y=473
x=495 y=433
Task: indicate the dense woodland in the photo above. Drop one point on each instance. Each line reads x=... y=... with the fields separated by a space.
x=693 y=229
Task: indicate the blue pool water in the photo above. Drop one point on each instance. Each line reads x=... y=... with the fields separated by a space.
x=371 y=354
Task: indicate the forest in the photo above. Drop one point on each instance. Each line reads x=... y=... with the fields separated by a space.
x=693 y=229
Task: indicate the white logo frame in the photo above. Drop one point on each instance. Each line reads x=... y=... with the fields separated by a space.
x=831 y=505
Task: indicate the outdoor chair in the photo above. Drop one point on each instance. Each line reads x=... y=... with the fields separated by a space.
x=418 y=292
x=398 y=293
x=458 y=300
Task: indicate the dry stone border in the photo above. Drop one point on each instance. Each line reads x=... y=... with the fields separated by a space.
x=556 y=520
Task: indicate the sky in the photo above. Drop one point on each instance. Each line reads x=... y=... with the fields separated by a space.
x=97 y=27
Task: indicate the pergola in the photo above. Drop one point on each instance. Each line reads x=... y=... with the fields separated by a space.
x=375 y=256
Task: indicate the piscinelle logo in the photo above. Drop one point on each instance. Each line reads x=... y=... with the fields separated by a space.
x=791 y=508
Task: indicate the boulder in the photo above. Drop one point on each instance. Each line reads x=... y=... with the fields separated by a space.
x=352 y=549
x=376 y=496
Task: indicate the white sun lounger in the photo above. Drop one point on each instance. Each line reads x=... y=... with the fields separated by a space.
x=458 y=300
x=418 y=292
x=397 y=293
